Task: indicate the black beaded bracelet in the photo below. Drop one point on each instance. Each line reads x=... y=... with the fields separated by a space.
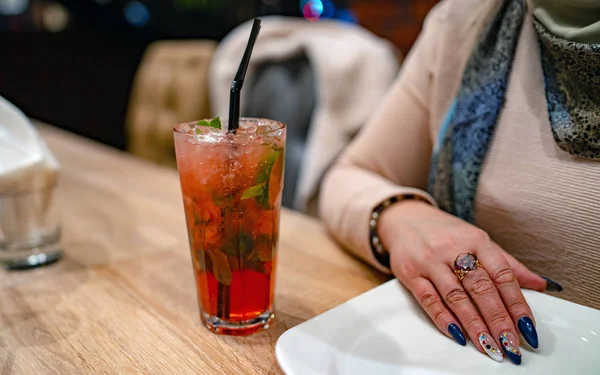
x=379 y=252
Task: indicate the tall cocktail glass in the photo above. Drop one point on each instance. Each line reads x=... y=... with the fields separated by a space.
x=231 y=186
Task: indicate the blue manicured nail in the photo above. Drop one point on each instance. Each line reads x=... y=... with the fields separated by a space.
x=457 y=334
x=528 y=331
x=552 y=286
x=508 y=342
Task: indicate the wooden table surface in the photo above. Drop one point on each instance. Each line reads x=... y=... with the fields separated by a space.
x=123 y=299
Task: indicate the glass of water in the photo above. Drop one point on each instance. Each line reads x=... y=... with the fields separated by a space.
x=29 y=228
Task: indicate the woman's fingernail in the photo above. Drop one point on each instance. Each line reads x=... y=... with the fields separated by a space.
x=510 y=345
x=552 y=286
x=457 y=334
x=489 y=346
x=528 y=331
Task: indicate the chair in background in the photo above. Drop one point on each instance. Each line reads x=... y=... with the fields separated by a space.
x=170 y=87
x=294 y=77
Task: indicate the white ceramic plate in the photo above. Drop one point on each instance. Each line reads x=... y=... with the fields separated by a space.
x=384 y=331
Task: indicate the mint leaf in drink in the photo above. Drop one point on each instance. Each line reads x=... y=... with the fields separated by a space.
x=197 y=219
x=246 y=245
x=230 y=248
x=263 y=248
x=214 y=123
x=199 y=260
x=234 y=263
x=223 y=200
x=220 y=266
x=254 y=191
x=260 y=191
x=238 y=246
x=267 y=166
x=197 y=252
x=255 y=265
x=263 y=200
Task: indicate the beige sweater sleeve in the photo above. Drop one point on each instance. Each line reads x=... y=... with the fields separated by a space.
x=389 y=157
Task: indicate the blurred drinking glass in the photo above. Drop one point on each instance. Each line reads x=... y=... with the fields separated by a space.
x=29 y=228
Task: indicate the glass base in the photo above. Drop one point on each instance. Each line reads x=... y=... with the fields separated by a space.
x=243 y=328
x=34 y=256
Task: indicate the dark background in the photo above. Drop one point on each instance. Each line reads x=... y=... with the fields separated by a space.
x=78 y=74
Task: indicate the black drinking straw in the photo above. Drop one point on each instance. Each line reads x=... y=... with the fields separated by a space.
x=238 y=81
x=234 y=123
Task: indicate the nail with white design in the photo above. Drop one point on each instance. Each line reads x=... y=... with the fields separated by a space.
x=490 y=347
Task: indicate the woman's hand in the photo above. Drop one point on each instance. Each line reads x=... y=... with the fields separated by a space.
x=424 y=241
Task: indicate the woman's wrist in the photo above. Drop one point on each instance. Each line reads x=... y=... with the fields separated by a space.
x=379 y=244
x=391 y=220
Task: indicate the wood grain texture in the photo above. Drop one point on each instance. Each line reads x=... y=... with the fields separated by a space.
x=123 y=299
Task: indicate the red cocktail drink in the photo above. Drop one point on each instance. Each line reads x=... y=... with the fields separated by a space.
x=231 y=186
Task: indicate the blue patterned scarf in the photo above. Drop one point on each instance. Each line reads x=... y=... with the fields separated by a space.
x=572 y=92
